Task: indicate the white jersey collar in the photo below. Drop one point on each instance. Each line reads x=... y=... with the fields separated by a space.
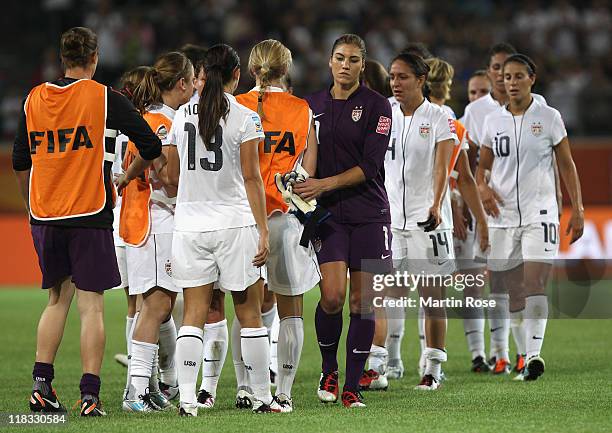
x=164 y=109
x=268 y=89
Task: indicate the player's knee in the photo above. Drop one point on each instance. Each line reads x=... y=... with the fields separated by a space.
x=332 y=303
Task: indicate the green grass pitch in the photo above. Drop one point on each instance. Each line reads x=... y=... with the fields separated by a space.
x=574 y=395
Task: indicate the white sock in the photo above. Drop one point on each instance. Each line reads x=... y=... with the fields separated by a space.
x=154 y=379
x=421 y=327
x=167 y=350
x=274 y=333
x=268 y=318
x=518 y=331
x=473 y=326
x=535 y=317
x=290 y=342
x=143 y=356
x=378 y=359
x=256 y=355
x=435 y=358
x=188 y=357
x=500 y=325
x=177 y=312
x=129 y=331
x=242 y=377
x=396 y=317
x=213 y=358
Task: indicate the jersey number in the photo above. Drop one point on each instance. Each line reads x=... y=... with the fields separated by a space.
x=439 y=239
x=502 y=146
x=550 y=233
x=214 y=146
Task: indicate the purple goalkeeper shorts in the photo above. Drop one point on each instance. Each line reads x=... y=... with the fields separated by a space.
x=363 y=247
x=88 y=254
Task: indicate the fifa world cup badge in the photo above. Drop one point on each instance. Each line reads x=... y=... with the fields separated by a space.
x=536 y=129
x=356 y=115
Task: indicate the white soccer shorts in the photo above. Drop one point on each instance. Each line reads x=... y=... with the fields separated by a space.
x=226 y=256
x=122 y=264
x=151 y=265
x=465 y=252
x=538 y=242
x=417 y=251
x=292 y=269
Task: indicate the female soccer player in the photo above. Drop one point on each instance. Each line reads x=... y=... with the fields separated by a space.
x=63 y=155
x=292 y=268
x=519 y=141
x=352 y=124
x=220 y=209
x=417 y=164
x=479 y=85
x=147 y=217
x=464 y=195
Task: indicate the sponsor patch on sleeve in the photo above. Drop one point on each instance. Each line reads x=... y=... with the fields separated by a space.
x=451 y=124
x=384 y=125
x=162 y=132
x=257 y=122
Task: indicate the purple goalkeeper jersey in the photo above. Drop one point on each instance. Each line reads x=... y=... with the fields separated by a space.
x=353 y=132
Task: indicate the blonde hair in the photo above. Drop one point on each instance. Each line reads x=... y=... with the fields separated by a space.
x=269 y=60
x=440 y=78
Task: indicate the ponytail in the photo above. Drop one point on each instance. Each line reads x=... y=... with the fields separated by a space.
x=147 y=92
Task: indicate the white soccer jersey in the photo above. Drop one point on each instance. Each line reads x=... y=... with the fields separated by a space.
x=522 y=172
x=211 y=194
x=476 y=111
x=120 y=147
x=409 y=164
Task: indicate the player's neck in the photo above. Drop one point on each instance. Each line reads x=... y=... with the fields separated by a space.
x=500 y=97
x=272 y=83
x=518 y=107
x=79 y=73
x=410 y=106
x=339 y=91
x=171 y=100
x=437 y=101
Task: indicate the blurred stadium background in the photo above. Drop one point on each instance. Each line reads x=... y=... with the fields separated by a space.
x=571 y=43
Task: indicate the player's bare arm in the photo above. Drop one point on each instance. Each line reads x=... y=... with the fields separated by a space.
x=444 y=150
x=309 y=162
x=567 y=170
x=469 y=191
x=23 y=180
x=313 y=188
x=254 y=187
x=489 y=197
x=135 y=169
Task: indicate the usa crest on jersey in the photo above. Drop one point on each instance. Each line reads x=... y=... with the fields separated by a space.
x=424 y=130
x=536 y=129
x=356 y=115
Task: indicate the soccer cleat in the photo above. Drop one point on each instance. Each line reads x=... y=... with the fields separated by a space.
x=479 y=365
x=142 y=405
x=187 y=409
x=492 y=360
x=502 y=366
x=170 y=391
x=534 y=368
x=122 y=359
x=352 y=399
x=160 y=400
x=428 y=383
x=261 y=407
x=244 y=398
x=44 y=399
x=371 y=380
x=91 y=406
x=328 y=387
x=520 y=363
x=285 y=403
x=395 y=369
x=205 y=399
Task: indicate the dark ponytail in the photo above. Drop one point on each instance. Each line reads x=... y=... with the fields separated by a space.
x=219 y=65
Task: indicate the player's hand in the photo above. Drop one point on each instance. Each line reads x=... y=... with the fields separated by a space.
x=263 y=249
x=490 y=199
x=309 y=189
x=433 y=220
x=575 y=226
x=483 y=237
x=459 y=221
x=121 y=181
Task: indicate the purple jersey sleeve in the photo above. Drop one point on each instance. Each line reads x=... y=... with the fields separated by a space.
x=376 y=139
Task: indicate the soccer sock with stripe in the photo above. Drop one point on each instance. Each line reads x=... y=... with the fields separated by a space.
x=396 y=318
x=290 y=342
x=274 y=335
x=473 y=326
x=535 y=317
x=242 y=376
x=329 y=329
x=435 y=358
x=213 y=358
x=189 y=346
x=500 y=325
x=143 y=356
x=167 y=350
x=358 y=342
x=517 y=325
x=256 y=354
x=154 y=379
